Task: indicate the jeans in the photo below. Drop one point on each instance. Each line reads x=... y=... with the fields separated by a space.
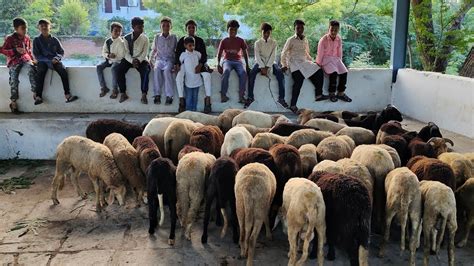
x=278 y=74
x=206 y=78
x=143 y=69
x=100 y=73
x=317 y=79
x=14 y=72
x=333 y=81
x=228 y=66
x=191 y=98
x=43 y=69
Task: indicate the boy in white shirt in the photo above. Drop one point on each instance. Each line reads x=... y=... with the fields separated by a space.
x=265 y=53
x=113 y=52
x=192 y=80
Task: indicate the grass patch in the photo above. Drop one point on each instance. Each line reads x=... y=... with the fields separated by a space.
x=20 y=182
x=10 y=185
x=29 y=225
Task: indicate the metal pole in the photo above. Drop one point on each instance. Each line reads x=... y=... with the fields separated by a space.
x=401 y=11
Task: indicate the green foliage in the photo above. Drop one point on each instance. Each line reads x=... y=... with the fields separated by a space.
x=73 y=18
x=10 y=9
x=37 y=10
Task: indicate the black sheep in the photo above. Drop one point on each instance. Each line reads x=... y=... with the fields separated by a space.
x=429 y=131
x=373 y=121
x=98 y=130
x=220 y=185
x=161 y=180
x=400 y=144
x=348 y=212
x=285 y=129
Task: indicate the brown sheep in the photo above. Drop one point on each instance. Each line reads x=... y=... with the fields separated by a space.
x=207 y=138
x=176 y=136
x=226 y=118
x=147 y=151
x=187 y=149
x=432 y=169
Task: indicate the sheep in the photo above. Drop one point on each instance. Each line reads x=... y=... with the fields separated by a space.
x=126 y=158
x=305 y=136
x=439 y=145
x=254 y=189
x=389 y=128
x=190 y=186
x=285 y=129
x=432 y=169
x=253 y=130
x=76 y=155
x=236 y=137
x=220 y=186
x=404 y=200
x=258 y=119
x=348 y=212
x=353 y=168
x=309 y=158
x=400 y=144
x=161 y=181
x=98 y=130
x=207 y=138
x=176 y=136
x=465 y=202
x=379 y=163
x=470 y=156
x=374 y=121
x=266 y=140
x=244 y=156
x=358 y=134
x=325 y=125
x=439 y=212
x=147 y=151
x=226 y=117
x=462 y=167
x=335 y=148
x=303 y=211
x=187 y=149
x=329 y=166
x=393 y=153
x=156 y=129
x=304 y=115
x=429 y=131
x=205 y=119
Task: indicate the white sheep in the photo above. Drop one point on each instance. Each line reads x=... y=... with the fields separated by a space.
x=379 y=163
x=335 y=148
x=439 y=212
x=190 y=186
x=205 y=119
x=255 y=187
x=325 y=125
x=404 y=201
x=258 y=119
x=360 y=135
x=127 y=160
x=176 y=136
x=236 y=137
x=266 y=140
x=328 y=166
x=156 y=129
x=393 y=153
x=76 y=155
x=303 y=211
x=253 y=130
x=356 y=169
x=461 y=165
x=309 y=158
x=306 y=136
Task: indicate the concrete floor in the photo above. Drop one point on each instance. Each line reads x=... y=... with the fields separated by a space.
x=75 y=234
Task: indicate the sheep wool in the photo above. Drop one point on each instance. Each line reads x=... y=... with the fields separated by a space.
x=176 y=136
x=266 y=140
x=325 y=125
x=98 y=130
x=156 y=129
x=226 y=117
x=258 y=119
x=207 y=138
x=309 y=158
x=465 y=200
x=235 y=138
x=358 y=134
x=306 y=136
x=147 y=151
x=335 y=148
x=462 y=167
x=198 y=117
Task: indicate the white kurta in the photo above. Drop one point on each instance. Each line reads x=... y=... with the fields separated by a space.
x=295 y=55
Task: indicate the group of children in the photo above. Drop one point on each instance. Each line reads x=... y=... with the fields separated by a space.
x=184 y=62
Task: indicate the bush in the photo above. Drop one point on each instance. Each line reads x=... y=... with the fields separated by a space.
x=73 y=18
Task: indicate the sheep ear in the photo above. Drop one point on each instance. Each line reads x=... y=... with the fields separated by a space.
x=111 y=198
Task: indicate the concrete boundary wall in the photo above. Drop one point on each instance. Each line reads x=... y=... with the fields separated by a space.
x=444 y=99
x=369 y=88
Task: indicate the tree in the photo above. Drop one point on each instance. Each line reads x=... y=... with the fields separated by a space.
x=38 y=9
x=73 y=18
x=9 y=10
x=437 y=36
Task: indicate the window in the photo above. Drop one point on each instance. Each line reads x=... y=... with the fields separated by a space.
x=132 y=2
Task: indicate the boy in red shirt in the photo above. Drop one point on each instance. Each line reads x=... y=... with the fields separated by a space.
x=17 y=49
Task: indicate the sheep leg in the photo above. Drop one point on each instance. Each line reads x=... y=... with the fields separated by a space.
x=196 y=198
x=207 y=214
x=321 y=231
x=235 y=222
x=162 y=209
x=292 y=239
x=95 y=183
x=427 y=227
x=75 y=182
x=403 y=225
x=452 y=227
x=172 y=208
x=268 y=230
x=58 y=180
x=152 y=212
x=103 y=202
x=257 y=226
x=218 y=214
x=241 y=219
x=226 y=222
x=183 y=203
x=441 y=236
x=388 y=221
x=467 y=229
x=307 y=240
x=415 y=227
x=247 y=232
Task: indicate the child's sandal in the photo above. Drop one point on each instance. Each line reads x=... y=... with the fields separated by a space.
x=14 y=108
x=71 y=99
x=344 y=98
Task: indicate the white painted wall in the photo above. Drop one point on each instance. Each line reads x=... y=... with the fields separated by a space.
x=444 y=99
x=370 y=89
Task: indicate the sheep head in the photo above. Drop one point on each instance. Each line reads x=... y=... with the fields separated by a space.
x=439 y=144
x=117 y=193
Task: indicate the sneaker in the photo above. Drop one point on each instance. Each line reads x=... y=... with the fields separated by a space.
x=333 y=98
x=248 y=102
x=38 y=100
x=114 y=94
x=182 y=105
x=321 y=97
x=123 y=97
x=71 y=98
x=283 y=103
x=144 y=100
x=344 y=98
x=157 y=99
x=294 y=109
x=14 y=108
x=242 y=100
x=103 y=91
x=224 y=98
x=169 y=100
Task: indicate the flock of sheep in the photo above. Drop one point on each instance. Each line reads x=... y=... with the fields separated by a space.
x=331 y=178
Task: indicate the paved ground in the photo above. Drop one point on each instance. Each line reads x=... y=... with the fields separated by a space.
x=73 y=233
